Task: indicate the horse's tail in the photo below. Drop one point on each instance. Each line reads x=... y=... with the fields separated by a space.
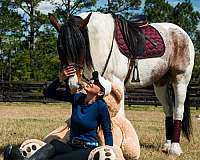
x=186 y=122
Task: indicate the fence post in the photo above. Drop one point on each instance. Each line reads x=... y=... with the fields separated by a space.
x=44 y=97
x=3 y=88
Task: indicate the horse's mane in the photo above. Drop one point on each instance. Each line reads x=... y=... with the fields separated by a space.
x=73 y=43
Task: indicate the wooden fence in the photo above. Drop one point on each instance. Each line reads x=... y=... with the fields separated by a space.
x=16 y=91
x=146 y=96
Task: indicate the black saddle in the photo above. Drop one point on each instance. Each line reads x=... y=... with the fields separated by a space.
x=138 y=20
x=132 y=34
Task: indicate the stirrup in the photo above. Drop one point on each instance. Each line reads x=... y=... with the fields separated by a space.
x=135 y=72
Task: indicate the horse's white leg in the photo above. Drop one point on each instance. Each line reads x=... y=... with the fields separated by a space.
x=162 y=94
x=180 y=90
x=120 y=85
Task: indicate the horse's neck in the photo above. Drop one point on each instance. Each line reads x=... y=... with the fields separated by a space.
x=100 y=32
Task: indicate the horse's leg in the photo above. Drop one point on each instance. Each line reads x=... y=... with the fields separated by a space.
x=120 y=85
x=180 y=90
x=163 y=96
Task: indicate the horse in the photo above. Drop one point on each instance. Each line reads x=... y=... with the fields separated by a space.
x=88 y=42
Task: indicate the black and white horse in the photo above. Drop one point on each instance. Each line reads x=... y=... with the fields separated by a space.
x=87 y=40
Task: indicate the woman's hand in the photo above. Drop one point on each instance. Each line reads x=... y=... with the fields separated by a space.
x=69 y=71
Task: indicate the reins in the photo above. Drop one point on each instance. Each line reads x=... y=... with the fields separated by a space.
x=107 y=60
x=106 y=65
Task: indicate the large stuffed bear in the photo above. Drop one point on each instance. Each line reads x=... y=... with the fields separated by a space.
x=126 y=143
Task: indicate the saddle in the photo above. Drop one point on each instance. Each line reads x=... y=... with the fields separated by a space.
x=136 y=39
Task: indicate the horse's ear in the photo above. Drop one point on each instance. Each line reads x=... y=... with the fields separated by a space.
x=54 y=22
x=85 y=21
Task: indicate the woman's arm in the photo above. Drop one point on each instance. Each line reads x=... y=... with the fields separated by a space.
x=106 y=125
x=52 y=92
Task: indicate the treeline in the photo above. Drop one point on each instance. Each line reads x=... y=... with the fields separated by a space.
x=28 y=41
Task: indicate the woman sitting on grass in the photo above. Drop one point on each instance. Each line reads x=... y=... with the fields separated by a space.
x=89 y=111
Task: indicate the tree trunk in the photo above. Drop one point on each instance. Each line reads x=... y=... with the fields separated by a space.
x=31 y=41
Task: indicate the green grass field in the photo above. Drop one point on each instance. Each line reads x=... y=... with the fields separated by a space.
x=22 y=121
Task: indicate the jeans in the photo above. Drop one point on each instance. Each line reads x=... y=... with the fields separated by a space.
x=65 y=151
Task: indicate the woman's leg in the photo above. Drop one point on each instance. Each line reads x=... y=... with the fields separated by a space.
x=13 y=153
x=78 y=154
x=47 y=151
x=60 y=147
x=55 y=147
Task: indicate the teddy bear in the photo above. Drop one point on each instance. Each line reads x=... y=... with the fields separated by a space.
x=126 y=143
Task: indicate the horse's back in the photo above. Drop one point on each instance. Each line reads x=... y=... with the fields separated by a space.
x=178 y=42
x=168 y=27
x=176 y=34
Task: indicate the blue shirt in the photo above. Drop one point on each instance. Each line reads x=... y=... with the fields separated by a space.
x=85 y=119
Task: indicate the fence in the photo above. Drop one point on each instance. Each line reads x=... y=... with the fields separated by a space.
x=16 y=91
x=146 y=96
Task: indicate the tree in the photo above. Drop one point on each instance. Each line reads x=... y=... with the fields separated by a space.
x=45 y=55
x=124 y=7
x=158 y=11
x=185 y=16
x=32 y=23
x=196 y=70
x=182 y=14
x=10 y=33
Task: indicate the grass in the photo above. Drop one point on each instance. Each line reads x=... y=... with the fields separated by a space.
x=21 y=121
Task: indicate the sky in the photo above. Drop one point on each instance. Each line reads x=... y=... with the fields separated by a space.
x=46 y=7
x=196 y=3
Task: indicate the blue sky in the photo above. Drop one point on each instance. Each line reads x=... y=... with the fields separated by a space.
x=196 y=3
x=45 y=7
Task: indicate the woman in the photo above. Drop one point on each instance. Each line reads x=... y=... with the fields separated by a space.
x=89 y=111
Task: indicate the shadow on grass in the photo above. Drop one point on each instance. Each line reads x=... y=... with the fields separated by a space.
x=156 y=147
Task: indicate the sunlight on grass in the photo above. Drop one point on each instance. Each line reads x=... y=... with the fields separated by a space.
x=22 y=121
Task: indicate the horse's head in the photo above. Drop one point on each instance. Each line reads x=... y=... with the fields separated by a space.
x=73 y=46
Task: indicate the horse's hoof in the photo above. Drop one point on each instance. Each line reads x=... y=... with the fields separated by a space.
x=175 y=149
x=166 y=147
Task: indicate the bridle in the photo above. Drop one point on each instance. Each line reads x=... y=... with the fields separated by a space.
x=81 y=68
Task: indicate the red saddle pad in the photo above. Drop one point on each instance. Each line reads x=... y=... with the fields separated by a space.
x=154 y=44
